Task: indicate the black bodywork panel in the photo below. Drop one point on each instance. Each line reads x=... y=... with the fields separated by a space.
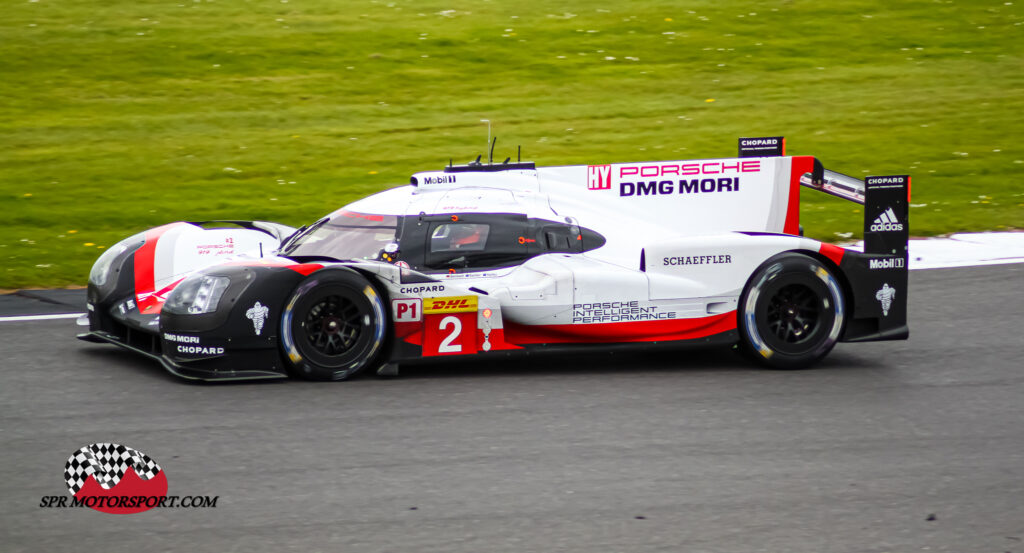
x=222 y=345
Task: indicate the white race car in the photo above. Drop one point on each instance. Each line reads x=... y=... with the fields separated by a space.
x=501 y=259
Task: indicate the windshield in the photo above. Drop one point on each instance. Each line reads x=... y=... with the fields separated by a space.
x=346 y=235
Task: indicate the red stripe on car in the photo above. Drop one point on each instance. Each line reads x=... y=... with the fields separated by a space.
x=302 y=268
x=497 y=340
x=145 y=294
x=833 y=252
x=638 y=331
x=368 y=217
x=800 y=166
x=306 y=268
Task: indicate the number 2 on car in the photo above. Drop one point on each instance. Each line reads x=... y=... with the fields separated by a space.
x=449 y=334
x=449 y=325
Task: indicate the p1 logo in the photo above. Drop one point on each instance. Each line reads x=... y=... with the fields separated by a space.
x=407 y=310
x=113 y=478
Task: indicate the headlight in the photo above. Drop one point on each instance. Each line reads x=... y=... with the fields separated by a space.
x=196 y=295
x=101 y=269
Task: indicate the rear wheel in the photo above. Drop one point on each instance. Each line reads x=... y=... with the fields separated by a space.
x=791 y=312
x=333 y=326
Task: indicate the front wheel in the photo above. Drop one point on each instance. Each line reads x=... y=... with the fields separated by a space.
x=791 y=312
x=333 y=325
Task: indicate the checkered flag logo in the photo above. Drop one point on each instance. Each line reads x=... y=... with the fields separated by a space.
x=107 y=463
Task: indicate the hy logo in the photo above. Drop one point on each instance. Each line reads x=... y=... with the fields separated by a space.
x=599 y=177
x=102 y=476
x=257 y=314
x=887 y=221
x=885 y=295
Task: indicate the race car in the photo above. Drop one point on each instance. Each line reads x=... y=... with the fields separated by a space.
x=503 y=259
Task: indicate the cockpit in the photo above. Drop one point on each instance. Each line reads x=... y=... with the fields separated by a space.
x=438 y=243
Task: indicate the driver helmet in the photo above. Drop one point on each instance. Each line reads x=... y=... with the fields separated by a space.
x=464 y=235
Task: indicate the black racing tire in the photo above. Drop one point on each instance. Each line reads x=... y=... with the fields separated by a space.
x=333 y=326
x=791 y=312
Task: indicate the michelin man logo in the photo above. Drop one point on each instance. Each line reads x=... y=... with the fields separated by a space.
x=257 y=313
x=885 y=295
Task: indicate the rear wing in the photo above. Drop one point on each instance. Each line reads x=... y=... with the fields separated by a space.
x=886 y=201
x=835 y=184
x=829 y=182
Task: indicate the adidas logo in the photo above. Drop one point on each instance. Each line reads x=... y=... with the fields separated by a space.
x=887 y=221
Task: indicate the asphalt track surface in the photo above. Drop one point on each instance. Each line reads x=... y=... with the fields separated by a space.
x=683 y=451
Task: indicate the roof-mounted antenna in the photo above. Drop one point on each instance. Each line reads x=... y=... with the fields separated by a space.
x=490 y=156
x=519 y=154
x=488 y=121
x=476 y=161
x=507 y=159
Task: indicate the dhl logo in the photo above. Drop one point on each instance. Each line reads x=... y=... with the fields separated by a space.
x=458 y=304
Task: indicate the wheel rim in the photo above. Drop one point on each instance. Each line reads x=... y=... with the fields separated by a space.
x=793 y=313
x=333 y=325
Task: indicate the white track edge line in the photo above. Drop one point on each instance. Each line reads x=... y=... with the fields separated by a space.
x=40 y=317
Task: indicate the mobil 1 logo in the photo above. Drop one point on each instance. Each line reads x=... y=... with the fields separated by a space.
x=888 y=263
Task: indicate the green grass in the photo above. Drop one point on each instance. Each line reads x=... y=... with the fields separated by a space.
x=122 y=115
